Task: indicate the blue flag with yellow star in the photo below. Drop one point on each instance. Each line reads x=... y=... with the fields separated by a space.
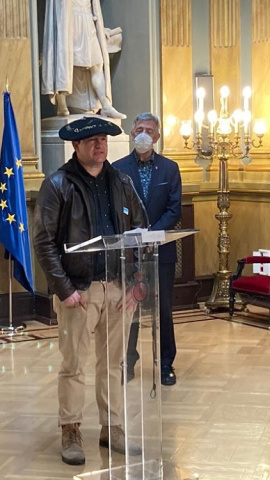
x=13 y=213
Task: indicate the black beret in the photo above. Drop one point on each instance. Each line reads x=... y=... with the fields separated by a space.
x=88 y=127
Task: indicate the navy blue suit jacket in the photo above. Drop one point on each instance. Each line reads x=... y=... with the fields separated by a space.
x=163 y=204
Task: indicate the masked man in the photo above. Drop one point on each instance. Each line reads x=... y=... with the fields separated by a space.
x=158 y=183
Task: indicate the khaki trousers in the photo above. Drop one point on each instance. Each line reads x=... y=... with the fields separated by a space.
x=75 y=328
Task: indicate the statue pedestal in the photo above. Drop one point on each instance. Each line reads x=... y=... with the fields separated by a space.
x=55 y=151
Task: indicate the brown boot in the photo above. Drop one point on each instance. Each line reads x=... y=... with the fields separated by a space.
x=72 y=452
x=117 y=440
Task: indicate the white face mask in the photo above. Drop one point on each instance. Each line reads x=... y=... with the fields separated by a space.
x=143 y=142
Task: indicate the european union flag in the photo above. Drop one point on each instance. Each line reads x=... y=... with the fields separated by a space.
x=13 y=213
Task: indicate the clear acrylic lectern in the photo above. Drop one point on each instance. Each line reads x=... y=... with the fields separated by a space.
x=131 y=261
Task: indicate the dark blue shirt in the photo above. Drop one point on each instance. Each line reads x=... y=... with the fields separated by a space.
x=99 y=198
x=145 y=173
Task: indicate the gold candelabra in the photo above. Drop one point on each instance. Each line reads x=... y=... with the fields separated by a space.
x=227 y=136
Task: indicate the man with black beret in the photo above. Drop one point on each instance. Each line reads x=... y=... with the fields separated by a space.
x=86 y=198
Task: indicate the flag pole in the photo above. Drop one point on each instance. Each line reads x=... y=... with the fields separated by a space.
x=12 y=136
x=10 y=327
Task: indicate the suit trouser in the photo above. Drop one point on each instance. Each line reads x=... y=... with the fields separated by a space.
x=167 y=338
x=75 y=328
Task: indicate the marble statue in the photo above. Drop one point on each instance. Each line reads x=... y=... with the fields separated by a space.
x=75 y=59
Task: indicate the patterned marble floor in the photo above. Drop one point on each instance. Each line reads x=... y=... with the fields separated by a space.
x=216 y=419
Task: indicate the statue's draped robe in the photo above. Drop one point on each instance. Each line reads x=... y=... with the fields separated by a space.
x=59 y=70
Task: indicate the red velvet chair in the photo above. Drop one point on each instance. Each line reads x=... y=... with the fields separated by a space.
x=254 y=288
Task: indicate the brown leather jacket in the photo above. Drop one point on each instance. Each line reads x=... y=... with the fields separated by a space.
x=63 y=215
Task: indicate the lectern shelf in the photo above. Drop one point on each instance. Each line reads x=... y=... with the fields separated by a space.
x=129 y=239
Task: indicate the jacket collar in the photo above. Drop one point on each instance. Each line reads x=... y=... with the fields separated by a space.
x=73 y=166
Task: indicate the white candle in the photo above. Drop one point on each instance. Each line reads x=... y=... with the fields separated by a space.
x=200 y=96
x=246 y=95
x=224 y=92
x=199 y=116
x=246 y=119
x=212 y=117
x=237 y=117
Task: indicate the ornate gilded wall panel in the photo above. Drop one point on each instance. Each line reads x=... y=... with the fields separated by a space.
x=15 y=51
x=177 y=86
x=250 y=213
x=14 y=19
x=15 y=56
x=225 y=48
x=238 y=57
x=16 y=66
x=261 y=20
x=224 y=16
x=175 y=23
x=261 y=65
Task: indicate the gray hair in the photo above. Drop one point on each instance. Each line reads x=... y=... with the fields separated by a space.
x=146 y=116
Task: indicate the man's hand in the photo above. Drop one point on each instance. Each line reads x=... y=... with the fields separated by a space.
x=131 y=303
x=75 y=300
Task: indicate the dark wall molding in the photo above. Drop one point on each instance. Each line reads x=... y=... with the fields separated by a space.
x=189 y=295
x=26 y=307
x=40 y=307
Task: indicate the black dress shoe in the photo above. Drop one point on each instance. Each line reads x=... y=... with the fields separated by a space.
x=168 y=376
